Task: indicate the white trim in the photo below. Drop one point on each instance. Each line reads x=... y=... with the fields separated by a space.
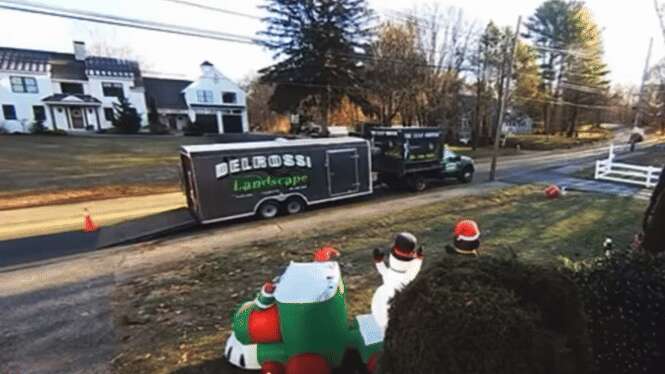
x=269 y=144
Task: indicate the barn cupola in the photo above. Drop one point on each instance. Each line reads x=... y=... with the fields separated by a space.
x=79 y=51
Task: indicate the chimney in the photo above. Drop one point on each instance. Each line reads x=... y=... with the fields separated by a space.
x=79 y=51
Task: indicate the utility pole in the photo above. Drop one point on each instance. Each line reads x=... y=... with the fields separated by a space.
x=504 y=98
x=645 y=76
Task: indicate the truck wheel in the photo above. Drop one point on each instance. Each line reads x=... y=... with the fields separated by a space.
x=466 y=176
x=418 y=184
x=294 y=205
x=269 y=209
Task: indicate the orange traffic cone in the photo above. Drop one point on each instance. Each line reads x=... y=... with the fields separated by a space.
x=88 y=224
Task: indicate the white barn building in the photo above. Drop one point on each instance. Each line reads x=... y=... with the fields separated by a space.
x=72 y=92
x=213 y=102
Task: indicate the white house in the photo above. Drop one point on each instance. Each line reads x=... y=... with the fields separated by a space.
x=72 y=92
x=213 y=102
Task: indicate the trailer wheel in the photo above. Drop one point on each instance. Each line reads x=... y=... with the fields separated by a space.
x=294 y=205
x=418 y=184
x=269 y=209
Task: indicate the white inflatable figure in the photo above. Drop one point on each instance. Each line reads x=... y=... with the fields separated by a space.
x=404 y=263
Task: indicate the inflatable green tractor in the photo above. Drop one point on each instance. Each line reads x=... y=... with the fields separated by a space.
x=298 y=323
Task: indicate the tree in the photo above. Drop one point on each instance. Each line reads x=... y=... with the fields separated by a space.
x=125 y=117
x=317 y=43
x=570 y=51
x=395 y=69
x=444 y=39
x=261 y=117
x=155 y=124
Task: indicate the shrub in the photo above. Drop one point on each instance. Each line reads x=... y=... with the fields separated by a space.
x=38 y=128
x=624 y=299
x=125 y=118
x=487 y=316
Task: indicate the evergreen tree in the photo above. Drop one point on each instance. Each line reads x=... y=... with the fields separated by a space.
x=317 y=44
x=125 y=117
x=569 y=46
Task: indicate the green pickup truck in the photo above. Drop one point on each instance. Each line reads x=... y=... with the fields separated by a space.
x=457 y=166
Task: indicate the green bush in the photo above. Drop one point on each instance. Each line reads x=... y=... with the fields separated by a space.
x=125 y=117
x=624 y=299
x=487 y=316
x=38 y=128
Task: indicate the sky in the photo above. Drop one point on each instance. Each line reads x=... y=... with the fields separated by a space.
x=627 y=26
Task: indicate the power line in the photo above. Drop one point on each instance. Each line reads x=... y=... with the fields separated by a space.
x=213 y=8
x=37 y=8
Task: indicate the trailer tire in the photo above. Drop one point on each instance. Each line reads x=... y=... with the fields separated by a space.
x=294 y=205
x=268 y=209
x=418 y=184
x=466 y=176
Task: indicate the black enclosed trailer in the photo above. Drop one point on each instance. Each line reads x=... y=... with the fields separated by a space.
x=234 y=180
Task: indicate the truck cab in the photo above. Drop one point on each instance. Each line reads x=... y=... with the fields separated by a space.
x=457 y=166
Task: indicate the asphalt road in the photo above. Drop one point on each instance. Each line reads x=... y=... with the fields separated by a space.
x=56 y=317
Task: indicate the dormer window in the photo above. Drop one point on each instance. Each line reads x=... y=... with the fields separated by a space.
x=204 y=96
x=24 y=85
x=229 y=98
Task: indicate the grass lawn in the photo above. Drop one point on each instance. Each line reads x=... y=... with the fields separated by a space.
x=40 y=170
x=178 y=318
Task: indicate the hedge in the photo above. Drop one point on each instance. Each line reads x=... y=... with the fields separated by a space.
x=487 y=316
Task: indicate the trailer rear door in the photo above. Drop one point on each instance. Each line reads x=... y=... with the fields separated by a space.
x=343 y=171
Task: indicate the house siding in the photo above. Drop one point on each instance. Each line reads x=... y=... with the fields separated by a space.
x=23 y=102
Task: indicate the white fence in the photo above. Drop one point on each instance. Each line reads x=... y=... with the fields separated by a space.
x=609 y=170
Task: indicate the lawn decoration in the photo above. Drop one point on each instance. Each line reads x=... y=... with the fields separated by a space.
x=404 y=263
x=298 y=323
x=466 y=239
x=553 y=191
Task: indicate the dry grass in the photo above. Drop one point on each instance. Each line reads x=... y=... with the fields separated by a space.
x=75 y=167
x=178 y=318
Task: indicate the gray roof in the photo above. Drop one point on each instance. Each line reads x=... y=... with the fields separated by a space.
x=65 y=65
x=56 y=98
x=167 y=93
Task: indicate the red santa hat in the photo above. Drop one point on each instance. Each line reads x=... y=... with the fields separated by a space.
x=467 y=237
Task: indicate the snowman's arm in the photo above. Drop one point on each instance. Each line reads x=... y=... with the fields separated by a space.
x=381 y=268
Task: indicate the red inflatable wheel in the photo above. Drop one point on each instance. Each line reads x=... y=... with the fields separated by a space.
x=372 y=363
x=271 y=367
x=307 y=363
x=263 y=326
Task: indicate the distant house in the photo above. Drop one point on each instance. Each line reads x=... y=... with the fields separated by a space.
x=214 y=103
x=72 y=92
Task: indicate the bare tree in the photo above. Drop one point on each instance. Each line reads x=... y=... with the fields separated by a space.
x=393 y=73
x=445 y=38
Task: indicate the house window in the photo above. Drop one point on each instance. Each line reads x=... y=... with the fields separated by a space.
x=112 y=89
x=39 y=113
x=9 y=112
x=204 y=96
x=24 y=85
x=71 y=88
x=108 y=114
x=229 y=97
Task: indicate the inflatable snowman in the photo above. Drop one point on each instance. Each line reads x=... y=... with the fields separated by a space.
x=404 y=263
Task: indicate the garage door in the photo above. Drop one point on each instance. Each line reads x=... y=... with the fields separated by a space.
x=207 y=123
x=232 y=123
